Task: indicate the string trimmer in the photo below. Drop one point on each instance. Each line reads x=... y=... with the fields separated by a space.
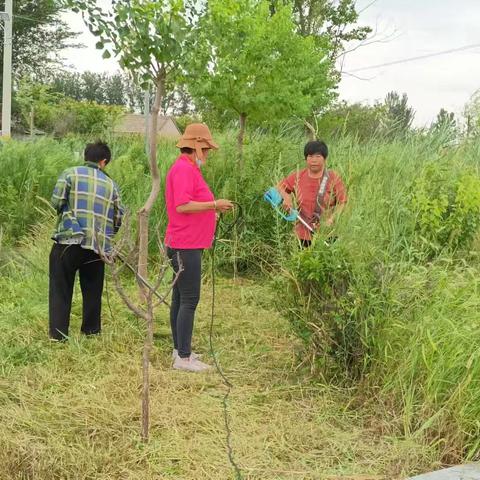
x=273 y=197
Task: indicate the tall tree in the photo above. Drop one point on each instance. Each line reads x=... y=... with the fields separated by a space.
x=68 y=84
x=355 y=119
x=102 y=88
x=399 y=116
x=39 y=36
x=445 y=124
x=149 y=38
x=335 y=18
x=472 y=115
x=255 y=64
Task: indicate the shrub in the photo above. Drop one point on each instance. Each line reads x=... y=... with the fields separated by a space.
x=446 y=204
x=29 y=172
x=71 y=116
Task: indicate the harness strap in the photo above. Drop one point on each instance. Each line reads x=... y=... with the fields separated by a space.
x=319 y=204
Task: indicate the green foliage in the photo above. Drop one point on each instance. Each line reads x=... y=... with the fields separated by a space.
x=255 y=64
x=43 y=107
x=322 y=307
x=101 y=88
x=148 y=37
x=319 y=17
x=447 y=207
x=183 y=120
x=39 y=35
x=398 y=115
x=31 y=97
x=70 y=116
x=29 y=171
x=472 y=115
x=392 y=306
x=445 y=125
x=363 y=122
x=425 y=355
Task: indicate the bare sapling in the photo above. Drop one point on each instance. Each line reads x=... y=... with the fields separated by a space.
x=144 y=309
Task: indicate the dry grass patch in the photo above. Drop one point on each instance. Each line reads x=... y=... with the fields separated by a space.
x=72 y=412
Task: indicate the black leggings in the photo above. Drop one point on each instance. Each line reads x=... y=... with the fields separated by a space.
x=185 y=297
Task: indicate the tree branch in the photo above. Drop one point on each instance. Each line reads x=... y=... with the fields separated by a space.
x=174 y=281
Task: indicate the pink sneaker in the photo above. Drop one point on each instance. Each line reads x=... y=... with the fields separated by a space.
x=194 y=355
x=190 y=365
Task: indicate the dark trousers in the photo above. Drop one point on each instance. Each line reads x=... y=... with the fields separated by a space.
x=65 y=260
x=305 y=243
x=185 y=297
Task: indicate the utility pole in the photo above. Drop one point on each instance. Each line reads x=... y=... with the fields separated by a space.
x=7 y=17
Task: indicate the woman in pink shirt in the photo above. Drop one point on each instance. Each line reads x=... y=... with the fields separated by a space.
x=192 y=210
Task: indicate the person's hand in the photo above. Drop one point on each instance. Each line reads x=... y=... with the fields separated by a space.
x=223 y=205
x=288 y=204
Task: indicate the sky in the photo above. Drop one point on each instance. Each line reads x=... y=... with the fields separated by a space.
x=403 y=29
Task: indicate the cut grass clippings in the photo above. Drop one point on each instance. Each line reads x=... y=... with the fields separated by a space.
x=72 y=411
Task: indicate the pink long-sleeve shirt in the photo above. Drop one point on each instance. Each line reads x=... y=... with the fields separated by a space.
x=184 y=184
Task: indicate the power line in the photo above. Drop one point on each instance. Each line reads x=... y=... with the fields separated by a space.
x=420 y=57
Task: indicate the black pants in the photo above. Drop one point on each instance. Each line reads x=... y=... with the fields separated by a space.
x=65 y=260
x=305 y=243
x=185 y=297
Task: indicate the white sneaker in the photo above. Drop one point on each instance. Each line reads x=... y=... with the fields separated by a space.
x=194 y=355
x=190 y=365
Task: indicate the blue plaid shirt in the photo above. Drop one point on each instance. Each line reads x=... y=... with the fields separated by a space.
x=87 y=201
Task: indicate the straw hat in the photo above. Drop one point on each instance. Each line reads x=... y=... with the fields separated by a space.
x=197 y=136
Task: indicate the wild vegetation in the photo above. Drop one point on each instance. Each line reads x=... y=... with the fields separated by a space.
x=355 y=358
x=386 y=315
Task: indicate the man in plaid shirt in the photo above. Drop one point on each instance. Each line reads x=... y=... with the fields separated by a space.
x=89 y=211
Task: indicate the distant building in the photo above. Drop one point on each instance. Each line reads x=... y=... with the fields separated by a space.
x=134 y=123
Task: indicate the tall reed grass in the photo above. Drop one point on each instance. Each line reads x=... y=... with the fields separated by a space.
x=391 y=307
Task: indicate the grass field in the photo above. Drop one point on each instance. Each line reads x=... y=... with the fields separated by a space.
x=378 y=376
x=72 y=411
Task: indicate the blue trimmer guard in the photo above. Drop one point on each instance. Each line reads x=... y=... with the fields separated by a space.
x=273 y=197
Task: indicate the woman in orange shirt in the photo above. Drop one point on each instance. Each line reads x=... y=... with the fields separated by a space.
x=319 y=192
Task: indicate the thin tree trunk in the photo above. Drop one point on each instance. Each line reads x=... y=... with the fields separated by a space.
x=312 y=134
x=147 y=348
x=32 y=121
x=144 y=212
x=143 y=215
x=241 y=136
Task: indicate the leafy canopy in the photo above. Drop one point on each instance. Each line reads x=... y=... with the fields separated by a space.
x=147 y=37
x=256 y=64
x=39 y=36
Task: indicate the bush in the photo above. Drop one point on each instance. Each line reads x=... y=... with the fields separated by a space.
x=392 y=306
x=447 y=207
x=183 y=120
x=325 y=308
x=29 y=171
x=71 y=116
